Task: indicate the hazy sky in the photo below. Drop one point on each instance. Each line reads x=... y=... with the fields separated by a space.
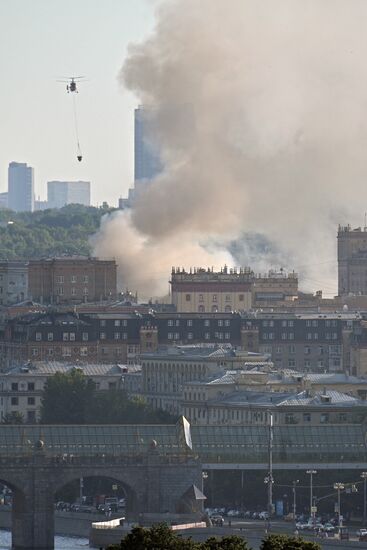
x=42 y=40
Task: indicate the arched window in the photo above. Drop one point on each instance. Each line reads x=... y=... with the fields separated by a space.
x=201 y=309
x=214 y=309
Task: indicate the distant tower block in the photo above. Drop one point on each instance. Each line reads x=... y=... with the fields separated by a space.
x=352 y=260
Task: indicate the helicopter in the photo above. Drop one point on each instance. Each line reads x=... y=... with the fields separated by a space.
x=71 y=83
x=71 y=87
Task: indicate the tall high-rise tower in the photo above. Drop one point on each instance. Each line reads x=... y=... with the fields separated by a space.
x=61 y=193
x=352 y=260
x=147 y=162
x=20 y=187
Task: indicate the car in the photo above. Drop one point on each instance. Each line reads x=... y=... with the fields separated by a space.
x=328 y=528
x=361 y=532
x=217 y=520
x=264 y=515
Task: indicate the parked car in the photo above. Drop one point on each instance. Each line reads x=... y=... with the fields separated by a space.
x=361 y=532
x=264 y=515
x=217 y=520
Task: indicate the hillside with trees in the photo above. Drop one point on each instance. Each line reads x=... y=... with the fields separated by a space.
x=53 y=232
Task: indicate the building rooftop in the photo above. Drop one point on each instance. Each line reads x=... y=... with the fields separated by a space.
x=50 y=368
x=267 y=399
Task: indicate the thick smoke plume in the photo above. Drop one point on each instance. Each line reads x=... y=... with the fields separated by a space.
x=276 y=98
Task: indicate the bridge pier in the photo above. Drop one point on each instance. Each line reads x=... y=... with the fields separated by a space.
x=33 y=512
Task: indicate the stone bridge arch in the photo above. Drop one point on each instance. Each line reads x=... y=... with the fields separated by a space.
x=132 y=483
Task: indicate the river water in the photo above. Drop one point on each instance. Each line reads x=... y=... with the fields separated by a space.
x=61 y=543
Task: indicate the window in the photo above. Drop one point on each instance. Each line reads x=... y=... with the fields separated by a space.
x=284 y=336
x=73 y=291
x=190 y=335
x=170 y=322
x=201 y=298
x=83 y=351
x=38 y=336
x=14 y=401
x=102 y=323
x=307 y=350
x=291 y=336
x=117 y=336
x=308 y=323
x=65 y=336
x=206 y=323
x=124 y=336
x=50 y=336
x=117 y=322
x=50 y=351
x=201 y=309
x=215 y=297
x=188 y=297
x=85 y=336
x=85 y=291
x=220 y=323
x=14 y=386
x=315 y=336
x=291 y=362
x=31 y=401
x=177 y=323
x=207 y=336
x=66 y=351
x=189 y=323
x=292 y=348
x=227 y=335
x=177 y=336
x=342 y=417
x=241 y=297
x=306 y=417
x=228 y=298
x=315 y=323
x=214 y=309
x=60 y=290
x=290 y=419
x=102 y=336
x=284 y=323
x=30 y=386
x=59 y=278
x=85 y=279
x=35 y=352
x=324 y=418
x=290 y=323
x=72 y=336
x=170 y=336
x=73 y=279
x=227 y=323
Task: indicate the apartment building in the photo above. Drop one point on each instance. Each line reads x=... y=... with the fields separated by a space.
x=21 y=388
x=204 y=290
x=72 y=279
x=253 y=407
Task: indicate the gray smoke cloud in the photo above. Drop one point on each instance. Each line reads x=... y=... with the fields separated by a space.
x=278 y=95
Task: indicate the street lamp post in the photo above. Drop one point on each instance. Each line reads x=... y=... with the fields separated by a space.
x=312 y=513
x=364 y=477
x=339 y=487
x=294 y=499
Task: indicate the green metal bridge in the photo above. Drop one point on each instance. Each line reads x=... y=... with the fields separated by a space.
x=218 y=447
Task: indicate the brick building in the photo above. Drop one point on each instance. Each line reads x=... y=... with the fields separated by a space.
x=352 y=260
x=72 y=279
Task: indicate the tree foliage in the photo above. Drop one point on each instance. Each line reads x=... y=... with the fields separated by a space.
x=14 y=417
x=161 y=537
x=283 y=542
x=50 y=232
x=72 y=398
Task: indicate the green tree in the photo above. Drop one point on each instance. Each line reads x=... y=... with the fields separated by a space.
x=72 y=398
x=13 y=418
x=66 y=398
x=283 y=542
x=156 y=538
x=226 y=543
